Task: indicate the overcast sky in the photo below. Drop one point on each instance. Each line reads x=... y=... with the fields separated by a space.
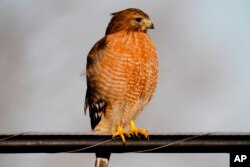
x=204 y=56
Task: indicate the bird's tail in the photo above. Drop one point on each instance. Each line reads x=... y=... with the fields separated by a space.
x=102 y=159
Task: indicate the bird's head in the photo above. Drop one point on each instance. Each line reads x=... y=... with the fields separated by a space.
x=130 y=20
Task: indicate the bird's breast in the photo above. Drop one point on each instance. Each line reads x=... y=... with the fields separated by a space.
x=128 y=70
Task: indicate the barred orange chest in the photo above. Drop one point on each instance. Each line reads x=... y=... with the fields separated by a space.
x=125 y=77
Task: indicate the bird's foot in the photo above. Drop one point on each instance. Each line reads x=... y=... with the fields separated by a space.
x=137 y=132
x=120 y=131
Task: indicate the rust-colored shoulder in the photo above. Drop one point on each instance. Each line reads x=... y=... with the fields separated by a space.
x=94 y=54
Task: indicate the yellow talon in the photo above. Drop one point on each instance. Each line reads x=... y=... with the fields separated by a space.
x=120 y=131
x=137 y=132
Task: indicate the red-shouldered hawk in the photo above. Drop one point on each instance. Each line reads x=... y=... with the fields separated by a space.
x=122 y=70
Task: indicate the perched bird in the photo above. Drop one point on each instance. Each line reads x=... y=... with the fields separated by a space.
x=121 y=71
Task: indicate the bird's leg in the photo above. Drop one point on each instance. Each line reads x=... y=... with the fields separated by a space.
x=120 y=131
x=137 y=132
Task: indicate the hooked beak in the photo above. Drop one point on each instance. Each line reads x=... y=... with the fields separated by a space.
x=149 y=24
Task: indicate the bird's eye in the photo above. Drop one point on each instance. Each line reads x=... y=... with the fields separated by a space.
x=138 y=19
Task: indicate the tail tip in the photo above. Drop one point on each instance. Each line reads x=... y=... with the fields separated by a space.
x=101 y=162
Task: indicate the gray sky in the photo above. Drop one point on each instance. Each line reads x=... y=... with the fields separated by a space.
x=204 y=55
